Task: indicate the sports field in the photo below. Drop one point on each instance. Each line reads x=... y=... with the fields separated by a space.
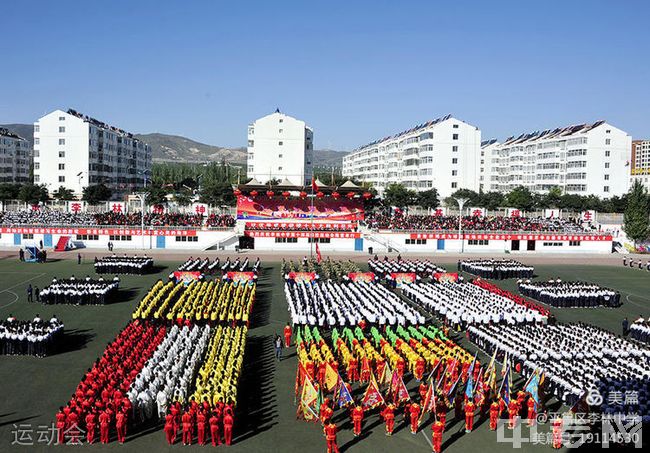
x=33 y=389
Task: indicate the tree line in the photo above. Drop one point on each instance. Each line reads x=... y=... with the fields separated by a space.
x=520 y=197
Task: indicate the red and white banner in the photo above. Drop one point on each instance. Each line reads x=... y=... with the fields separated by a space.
x=588 y=216
x=510 y=237
x=403 y=277
x=513 y=212
x=477 y=212
x=445 y=276
x=552 y=213
x=186 y=277
x=98 y=231
x=118 y=207
x=302 y=234
x=367 y=277
x=302 y=276
x=301 y=226
x=240 y=276
x=200 y=209
x=75 y=207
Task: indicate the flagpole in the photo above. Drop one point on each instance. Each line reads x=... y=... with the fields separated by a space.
x=311 y=222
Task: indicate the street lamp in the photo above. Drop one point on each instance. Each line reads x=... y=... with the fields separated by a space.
x=461 y=202
x=142 y=196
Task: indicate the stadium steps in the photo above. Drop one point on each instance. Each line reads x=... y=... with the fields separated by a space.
x=62 y=244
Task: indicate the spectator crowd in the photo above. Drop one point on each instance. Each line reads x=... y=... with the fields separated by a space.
x=401 y=221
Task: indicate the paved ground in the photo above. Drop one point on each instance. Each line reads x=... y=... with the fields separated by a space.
x=34 y=388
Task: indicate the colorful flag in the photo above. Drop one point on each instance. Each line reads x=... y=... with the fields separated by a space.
x=429 y=402
x=372 y=397
x=344 y=398
x=309 y=400
x=506 y=385
x=532 y=386
x=452 y=390
x=399 y=391
x=479 y=397
x=385 y=378
x=331 y=377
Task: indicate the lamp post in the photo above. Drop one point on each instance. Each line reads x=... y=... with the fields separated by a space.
x=143 y=197
x=461 y=202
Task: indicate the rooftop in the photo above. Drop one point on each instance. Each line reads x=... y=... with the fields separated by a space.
x=552 y=133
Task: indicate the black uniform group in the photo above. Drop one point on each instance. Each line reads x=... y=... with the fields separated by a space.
x=240 y=266
x=570 y=294
x=422 y=268
x=80 y=292
x=640 y=330
x=38 y=338
x=114 y=264
x=496 y=269
x=203 y=266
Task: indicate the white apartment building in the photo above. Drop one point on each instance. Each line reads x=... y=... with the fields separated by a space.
x=15 y=158
x=74 y=151
x=443 y=153
x=640 y=162
x=587 y=159
x=486 y=150
x=279 y=147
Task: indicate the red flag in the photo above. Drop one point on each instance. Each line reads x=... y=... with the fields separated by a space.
x=319 y=257
x=372 y=397
x=314 y=186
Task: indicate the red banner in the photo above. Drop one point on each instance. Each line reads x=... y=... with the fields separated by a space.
x=302 y=234
x=445 y=276
x=264 y=208
x=368 y=277
x=302 y=276
x=186 y=276
x=98 y=231
x=241 y=276
x=509 y=237
x=403 y=277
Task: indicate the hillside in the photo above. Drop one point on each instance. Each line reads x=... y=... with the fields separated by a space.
x=174 y=148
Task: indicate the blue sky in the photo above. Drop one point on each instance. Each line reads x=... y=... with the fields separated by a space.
x=354 y=71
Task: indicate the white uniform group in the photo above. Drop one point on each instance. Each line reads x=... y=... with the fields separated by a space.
x=80 y=292
x=570 y=294
x=422 y=268
x=497 y=269
x=463 y=304
x=37 y=337
x=339 y=304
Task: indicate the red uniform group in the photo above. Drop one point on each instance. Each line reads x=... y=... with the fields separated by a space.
x=202 y=420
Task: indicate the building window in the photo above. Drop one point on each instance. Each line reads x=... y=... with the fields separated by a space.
x=88 y=237
x=606 y=189
x=61 y=128
x=62 y=118
x=250 y=168
x=608 y=131
x=37 y=165
x=62 y=141
x=37 y=141
x=61 y=178
x=319 y=240
x=281 y=120
x=28 y=236
x=454 y=160
x=606 y=153
x=119 y=238
x=279 y=168
x=251 y=143
x=279 y=156
x=606 y=177
x=454 y=149
x=280 y=143
x=608 y=141
x=455 y=137
x=61 y=153
x=37 y=128
x=552 y=244
x=279 y=131
x=455 y=126
x=574 y=243
x=606 y=164
x=415 y=241
x=478 y=242
x=61 y=166
x=37 y=178
x=286 y=240
x=187 y=239
x=454 y=185
x=454 y=172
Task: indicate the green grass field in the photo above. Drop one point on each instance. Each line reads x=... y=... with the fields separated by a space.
x=33 y=389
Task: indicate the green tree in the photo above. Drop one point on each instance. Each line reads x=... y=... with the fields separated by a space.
x=471 y=197
x=217 y=194
x=521 y=198
x=398 y=195
x=9 y=191
x=553 y=198
x=636 y=220
x=490 y=200
x=183 y=198
x=63 y=193
x=428 y=199
x=97 y=193
x=156 y=195
x=32 y=193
